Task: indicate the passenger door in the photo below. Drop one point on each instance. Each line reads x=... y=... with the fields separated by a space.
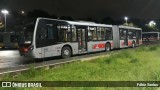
x=82 y=39
x=124 y=37
x=138 y=36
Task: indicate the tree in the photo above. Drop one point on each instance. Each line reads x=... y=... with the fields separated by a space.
x=151 y=28
x=130 y=24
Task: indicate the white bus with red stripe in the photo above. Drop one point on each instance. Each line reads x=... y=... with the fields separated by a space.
x=52 y=37
x=150 y=36
x=125 y=36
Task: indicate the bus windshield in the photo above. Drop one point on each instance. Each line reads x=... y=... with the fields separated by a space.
x=50 y=32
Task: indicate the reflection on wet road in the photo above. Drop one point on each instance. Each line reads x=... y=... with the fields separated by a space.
x=10 y=58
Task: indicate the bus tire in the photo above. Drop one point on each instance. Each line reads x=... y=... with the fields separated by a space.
x=133 y=44
x=66 y=52
x=108 y=47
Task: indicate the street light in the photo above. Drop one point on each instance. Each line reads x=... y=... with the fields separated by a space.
x=126 y=19
x=22 y=12
x=5 y=12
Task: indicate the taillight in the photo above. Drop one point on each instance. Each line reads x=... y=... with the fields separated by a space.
x=26 y=50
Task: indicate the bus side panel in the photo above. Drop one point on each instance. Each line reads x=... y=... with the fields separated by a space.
x=116 y=37
x=130 y=42
x=74 y=47
x=50 y=51
x=36 y=53
x=122 y=44
x=94 y=46
x=53 y=50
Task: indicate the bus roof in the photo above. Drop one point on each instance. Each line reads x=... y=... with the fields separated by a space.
x=129 y=27
x=150 y=32
x=84 y=23
x=87 y=23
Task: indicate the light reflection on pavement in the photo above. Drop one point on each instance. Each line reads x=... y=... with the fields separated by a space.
x=10 y=58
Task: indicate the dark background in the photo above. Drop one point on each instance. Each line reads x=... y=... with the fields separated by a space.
x=140 y=12
x=145 y=9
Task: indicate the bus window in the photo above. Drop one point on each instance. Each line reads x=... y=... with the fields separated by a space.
x=64 y=33
x=92 y=33
x=99 y=33
x=74 y=34
x=108 y=33
x=103 y=33
x=123 y=34
x=132 y=34
x=89 y=35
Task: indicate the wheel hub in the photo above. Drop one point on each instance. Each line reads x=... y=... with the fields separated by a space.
x=66 y=52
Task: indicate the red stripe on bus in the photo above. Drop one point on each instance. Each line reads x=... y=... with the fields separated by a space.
x=122 y=43
x=129 y=43
x=99 y=46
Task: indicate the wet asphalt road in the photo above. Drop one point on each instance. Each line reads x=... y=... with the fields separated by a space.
x=11 y=58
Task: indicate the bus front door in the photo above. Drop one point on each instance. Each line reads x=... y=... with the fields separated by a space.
x=125 y=32
x=82 y=42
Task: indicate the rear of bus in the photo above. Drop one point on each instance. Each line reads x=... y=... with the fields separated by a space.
x=25 y=39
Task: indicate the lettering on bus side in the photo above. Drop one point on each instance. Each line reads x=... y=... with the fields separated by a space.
x=122 y=43
x=98 y=46
x=129 y=43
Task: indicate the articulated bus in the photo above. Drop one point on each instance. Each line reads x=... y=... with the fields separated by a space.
x=9 y=40
x=150 y=36
x=52 y=37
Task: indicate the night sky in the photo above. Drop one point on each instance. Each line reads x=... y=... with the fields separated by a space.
x=145 y=9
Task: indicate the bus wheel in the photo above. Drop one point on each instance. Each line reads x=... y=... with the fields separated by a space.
x=133 y=45
x=108 y=47
x=66 y=52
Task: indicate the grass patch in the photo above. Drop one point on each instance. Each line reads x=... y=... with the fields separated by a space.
x=153 y=48
x=128 y=65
